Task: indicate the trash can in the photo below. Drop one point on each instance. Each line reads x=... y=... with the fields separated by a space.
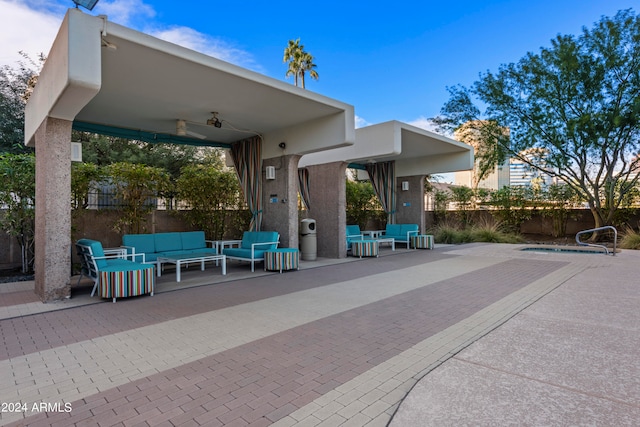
x=308 y=240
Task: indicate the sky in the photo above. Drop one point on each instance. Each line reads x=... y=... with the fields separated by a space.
x=390 y=60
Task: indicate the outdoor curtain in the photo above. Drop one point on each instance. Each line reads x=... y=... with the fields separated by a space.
x=303 y=186
x=247 y=158
x=383 y=179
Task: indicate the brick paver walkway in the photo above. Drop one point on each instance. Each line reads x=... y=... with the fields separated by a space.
x=328 y=346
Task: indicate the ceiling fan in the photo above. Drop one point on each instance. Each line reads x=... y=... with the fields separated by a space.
x=181 y=130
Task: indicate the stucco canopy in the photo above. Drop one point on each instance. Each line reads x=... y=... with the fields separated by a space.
x=416 y=151
x=109 y=78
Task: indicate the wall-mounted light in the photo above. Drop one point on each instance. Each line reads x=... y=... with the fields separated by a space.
x=282 y=145
x=405 y=185
x=76 y=151
x=214 y=121
x=270 y=172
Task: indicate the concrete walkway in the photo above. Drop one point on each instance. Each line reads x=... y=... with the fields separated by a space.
x=476 y=334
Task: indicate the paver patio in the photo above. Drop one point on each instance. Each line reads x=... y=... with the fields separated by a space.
x=338 y=344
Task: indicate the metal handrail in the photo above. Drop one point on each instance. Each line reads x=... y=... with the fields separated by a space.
x=606 y=227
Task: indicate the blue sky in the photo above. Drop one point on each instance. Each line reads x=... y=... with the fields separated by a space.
x=391 y=60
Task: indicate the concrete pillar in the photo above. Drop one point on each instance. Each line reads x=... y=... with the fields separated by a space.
x=410 y=203
x=280 y=200
x=53 y=210
x=327 y=193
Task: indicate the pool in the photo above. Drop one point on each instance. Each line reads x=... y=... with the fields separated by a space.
x=564 y=249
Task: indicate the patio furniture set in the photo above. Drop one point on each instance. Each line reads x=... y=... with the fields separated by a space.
x=367 y=243
x=129 y=269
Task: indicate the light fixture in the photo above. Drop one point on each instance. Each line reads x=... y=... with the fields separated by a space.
x=87 y=4
x=405 y=185
x=282 y=145
x=76 y=151
x=270 y=172
x=214 y=121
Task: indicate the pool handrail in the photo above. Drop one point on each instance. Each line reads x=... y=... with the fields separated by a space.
x=606 y=227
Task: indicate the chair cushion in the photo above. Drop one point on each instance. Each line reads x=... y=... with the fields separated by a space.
x=352 y=230
x=245 y=253
x=393 y=229
x=251 y=237
x=96 y=251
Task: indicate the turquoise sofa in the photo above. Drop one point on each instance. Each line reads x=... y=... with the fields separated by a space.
x=253 y=246
x=401 y=233
x=168 y=244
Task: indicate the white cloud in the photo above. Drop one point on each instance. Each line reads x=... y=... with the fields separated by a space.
x=192 y=39
x=423 y=123
x=19 y=19
x=360 y=122
x=17 y=23
x=125 y=12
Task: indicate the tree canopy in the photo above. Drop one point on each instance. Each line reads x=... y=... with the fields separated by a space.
x=576 y=103
x=300 y=62
x=15 y=87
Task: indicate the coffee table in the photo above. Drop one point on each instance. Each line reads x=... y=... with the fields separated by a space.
x=390 y=240
x=179 y=260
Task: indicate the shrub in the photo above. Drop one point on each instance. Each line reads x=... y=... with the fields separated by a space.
x=486 y=231
x=630 y=240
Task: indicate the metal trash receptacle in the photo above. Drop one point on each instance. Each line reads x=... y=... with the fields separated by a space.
x=308 y=240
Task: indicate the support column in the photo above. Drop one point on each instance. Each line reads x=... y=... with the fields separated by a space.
x=281 y=200
x=410 y=203
x=53 y=210
x=327 y=191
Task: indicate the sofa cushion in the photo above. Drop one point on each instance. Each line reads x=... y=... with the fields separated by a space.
x=144 y=243
x=193 y=240
x=393 y=230
x=168 y=242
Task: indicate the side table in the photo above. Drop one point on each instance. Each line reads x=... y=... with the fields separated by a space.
x=364 y=247
x=282 y=259
x=422 y=241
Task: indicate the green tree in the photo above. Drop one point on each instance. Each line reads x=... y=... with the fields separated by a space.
x=84 y=178
x=512 y=205
x=463 y=197
x=213 y=195
x=17 y=199
x=15 y=87
x=104 y=150
x=299 y=63
x=362 y=203
x=136 y=187
x=577 y=103
x=560 y=198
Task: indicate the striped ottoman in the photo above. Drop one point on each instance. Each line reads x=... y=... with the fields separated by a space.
x=422 y=241
x=364 y=247
x=131 y=279
x=281 y=259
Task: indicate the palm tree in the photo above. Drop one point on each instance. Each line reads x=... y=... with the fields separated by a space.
x=299 y=61
x=293 y=55
x=307 y=65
